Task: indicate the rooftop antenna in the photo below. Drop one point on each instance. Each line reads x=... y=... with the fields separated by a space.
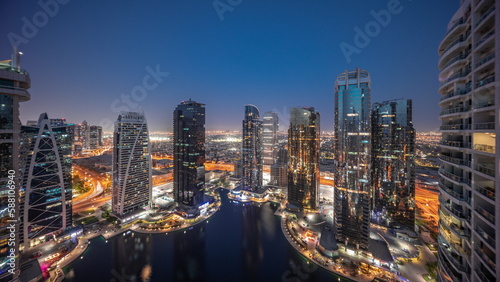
x=16 y=59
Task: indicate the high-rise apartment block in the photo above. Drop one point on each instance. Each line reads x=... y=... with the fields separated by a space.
x=469 y=210
x=132 y=189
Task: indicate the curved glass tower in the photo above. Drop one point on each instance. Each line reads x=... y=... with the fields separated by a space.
x=251 y=166
x=353 y=150
x=469 y=208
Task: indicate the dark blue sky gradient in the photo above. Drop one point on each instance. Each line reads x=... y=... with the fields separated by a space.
x=274 y=54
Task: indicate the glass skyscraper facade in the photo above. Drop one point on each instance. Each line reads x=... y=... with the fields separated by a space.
x=46 y=187
x=251 y=159
x=189 y=153
x=269 y=137
x=303 y=158
x=393 y=164
x=132 y=189
x=353 y=151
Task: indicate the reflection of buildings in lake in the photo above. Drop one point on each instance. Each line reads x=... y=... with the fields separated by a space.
x=252 y=243
x=131 y=257
x=189 y=254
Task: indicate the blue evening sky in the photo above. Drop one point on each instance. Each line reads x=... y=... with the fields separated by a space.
x=274 y=54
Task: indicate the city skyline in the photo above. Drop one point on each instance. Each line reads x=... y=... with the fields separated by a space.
x=300 y=56
x=246 y=185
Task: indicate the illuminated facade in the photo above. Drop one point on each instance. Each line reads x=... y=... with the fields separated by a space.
x=132 y=189
x=469 y=209
x=353 y=151
x=393 y=165
x=95 y=136
x=46 y=187
x=269 y=137
x=251 y=161
x=303 y=158
x=189 y=153
x=14 y=85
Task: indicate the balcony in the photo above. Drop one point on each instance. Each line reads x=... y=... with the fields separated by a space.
x=454 y=76
x=461 y=231
x=484 y=38
x=453 y=111
x=487 y=192
x=455 y=59
x=485 y=258
x=488 y=170
x=485 y=81
x=452 y=160
x=482 y=276
x=461 y=21
x=444 y=264
x=458 y=213
x=459 y=92
x=451 y=175
x=490 y=240
x=462 y=38
x=451 y=192
x=484 y=104
x=484 y=125
x=484 y=16
x=487 y=215
x=485 y=148
x=457 y=126
x=485 y=60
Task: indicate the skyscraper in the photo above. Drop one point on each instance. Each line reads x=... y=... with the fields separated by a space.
x=303 y=158
x=189 y=155
x=279 y=170
x=132 y=189
x=469 y=209
x=251 y=168
x=352 y=150
x=95 y=136
x=393 y=165
x=85 y=135
x=269 y=137
x=46 y=187
x=14 y=85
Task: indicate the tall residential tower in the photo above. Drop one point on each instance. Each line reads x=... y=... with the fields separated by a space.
x=470 y=102
x=269 y=137
x=132 y=189
x=251 y=161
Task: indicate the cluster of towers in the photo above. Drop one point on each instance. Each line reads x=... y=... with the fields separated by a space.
x=374 y=155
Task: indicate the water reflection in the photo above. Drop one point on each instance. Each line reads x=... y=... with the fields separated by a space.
x=242 y=242
x=189 y=254
x=132 y=257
